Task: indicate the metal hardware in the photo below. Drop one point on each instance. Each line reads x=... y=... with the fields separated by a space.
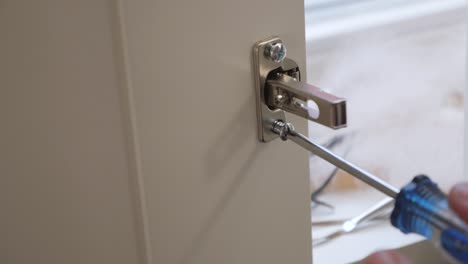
x=276 y=51
x=263 y=65
x=331 y=110
x=278 y=88
x=286 y=131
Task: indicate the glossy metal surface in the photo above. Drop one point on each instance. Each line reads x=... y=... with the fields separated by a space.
x=275 y=51
x=263 y=65
x=331 y=110
x=278 y=87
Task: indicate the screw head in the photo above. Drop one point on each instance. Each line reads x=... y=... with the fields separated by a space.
x=275 y=51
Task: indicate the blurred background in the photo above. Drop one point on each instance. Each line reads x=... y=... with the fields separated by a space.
x=401 y=66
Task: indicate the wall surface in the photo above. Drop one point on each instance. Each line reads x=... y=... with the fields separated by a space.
x=64 y=192
x=213 y=193
x=129 y=135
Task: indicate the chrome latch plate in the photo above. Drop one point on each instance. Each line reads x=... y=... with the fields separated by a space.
x=262 y=67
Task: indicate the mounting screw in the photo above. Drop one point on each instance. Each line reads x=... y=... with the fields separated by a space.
x=275 y=51
x=282 y=129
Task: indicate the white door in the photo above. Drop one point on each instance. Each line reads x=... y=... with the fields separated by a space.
x=129 y=134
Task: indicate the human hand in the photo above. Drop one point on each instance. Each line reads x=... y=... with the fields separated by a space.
x=458 y=200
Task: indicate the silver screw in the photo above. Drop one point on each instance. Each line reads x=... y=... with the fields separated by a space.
x=275 y=51
x=282 y=129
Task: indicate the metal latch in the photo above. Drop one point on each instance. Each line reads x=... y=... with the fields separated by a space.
x=278 y=88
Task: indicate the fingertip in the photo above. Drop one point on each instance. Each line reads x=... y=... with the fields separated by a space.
x=458 y=199
x=387 y=257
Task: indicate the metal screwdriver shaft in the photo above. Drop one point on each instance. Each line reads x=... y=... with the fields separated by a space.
x=286 y=131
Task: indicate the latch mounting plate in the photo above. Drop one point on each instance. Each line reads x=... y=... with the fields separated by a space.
x=262 y=67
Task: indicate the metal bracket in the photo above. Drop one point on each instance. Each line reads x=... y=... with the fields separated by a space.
x=278 y=88
x=263 y=65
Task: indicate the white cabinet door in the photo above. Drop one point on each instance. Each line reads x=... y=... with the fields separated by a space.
x=130 y=134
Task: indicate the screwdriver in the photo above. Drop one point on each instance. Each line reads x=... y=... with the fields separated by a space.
x=420 y=206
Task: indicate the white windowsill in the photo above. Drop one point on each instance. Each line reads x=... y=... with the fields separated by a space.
x=370 y=15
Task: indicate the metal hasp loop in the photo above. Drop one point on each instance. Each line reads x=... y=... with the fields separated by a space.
x=278 y=88
x=285 y=92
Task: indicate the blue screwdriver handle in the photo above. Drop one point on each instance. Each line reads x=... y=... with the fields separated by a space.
x=422 y=208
